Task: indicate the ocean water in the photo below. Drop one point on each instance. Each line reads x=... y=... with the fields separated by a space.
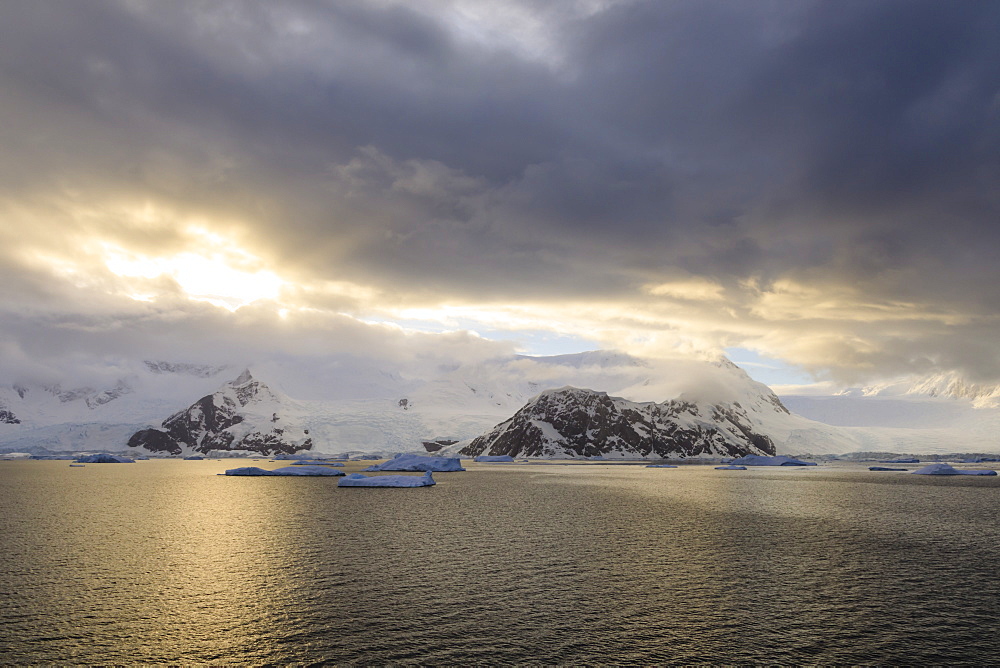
x=165 y=562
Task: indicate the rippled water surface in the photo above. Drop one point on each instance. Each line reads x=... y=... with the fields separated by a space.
x=166 y=562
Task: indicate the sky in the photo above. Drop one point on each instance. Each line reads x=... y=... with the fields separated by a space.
x=813 y=187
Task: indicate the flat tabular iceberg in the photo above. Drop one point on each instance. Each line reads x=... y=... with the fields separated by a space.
x=660 y=466
x=358 y=480
x=418 y=463
x=286 y=470
x=762 y=460
x=499 y=459
x=731 y=467
x=945 y=469
x=104 y=458
x=884 y=468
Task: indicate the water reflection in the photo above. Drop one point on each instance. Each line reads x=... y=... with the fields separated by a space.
x=165 y=562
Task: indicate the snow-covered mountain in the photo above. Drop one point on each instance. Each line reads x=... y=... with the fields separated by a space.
x=98 y=415
x=712 y=408
x=948 y=385
x=359 y=405
x=243 y=414
x=572 y=422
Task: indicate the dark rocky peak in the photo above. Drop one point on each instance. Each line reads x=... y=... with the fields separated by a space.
x=575 y=422
x=248 y=389
x=211 y=423
x=7 y=416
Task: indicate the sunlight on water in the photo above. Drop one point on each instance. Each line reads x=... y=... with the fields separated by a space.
x=166 y=562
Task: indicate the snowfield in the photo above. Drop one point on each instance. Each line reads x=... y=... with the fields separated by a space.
x=359 y=407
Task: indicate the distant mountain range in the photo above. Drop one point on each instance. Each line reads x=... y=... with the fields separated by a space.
x=592 y=404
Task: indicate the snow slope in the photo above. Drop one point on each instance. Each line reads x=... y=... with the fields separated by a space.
x=360 y=405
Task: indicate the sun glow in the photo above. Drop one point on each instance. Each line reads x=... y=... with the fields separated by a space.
x=223 y=274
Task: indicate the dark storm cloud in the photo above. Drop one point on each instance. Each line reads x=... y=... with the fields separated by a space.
x=566 y=154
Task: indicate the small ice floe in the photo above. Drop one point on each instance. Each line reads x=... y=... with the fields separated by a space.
x=885 y=468
x=359 y=480
x=941 y=468
x=194 y=458
x=77 y=465
x=496 y=459
x=660 y=466
x=104 y=458
x=286 y=470
x=763 y=460
x=315 y=462
x=731 y=467
x=418 y=463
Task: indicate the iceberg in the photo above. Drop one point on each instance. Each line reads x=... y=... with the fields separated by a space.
x=660 y=466
x=500 y=459
x=307 y=470
x=884 y=468
x=418 y=463
x=359 y=480
x=194 y=458
x=946 y=469
x=731 y=467
x=104 y=458
x=247 y=470
x=286 y=471
x=762 y=460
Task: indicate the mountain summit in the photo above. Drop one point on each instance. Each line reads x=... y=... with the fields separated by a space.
x=244 y=414
x=572 y=422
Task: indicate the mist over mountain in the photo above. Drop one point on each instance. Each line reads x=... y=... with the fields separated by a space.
x=353 y=404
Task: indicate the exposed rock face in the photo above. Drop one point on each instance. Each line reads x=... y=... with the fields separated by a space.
x=198 y=370
x=93 y=398
x=437 y=444
x=242 y=415
x=7 y=417
x=583 y=423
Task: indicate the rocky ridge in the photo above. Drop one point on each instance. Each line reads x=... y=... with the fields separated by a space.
x=244 y=414
x=572 y=422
